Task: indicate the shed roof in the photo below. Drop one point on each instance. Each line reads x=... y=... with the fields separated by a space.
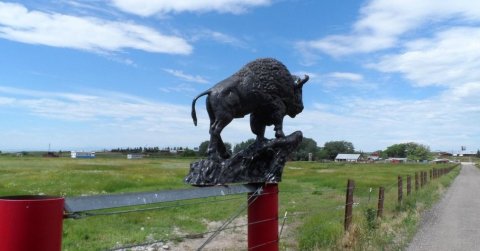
x=348 y=156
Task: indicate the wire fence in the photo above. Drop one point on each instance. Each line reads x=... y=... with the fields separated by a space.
x=334 y=214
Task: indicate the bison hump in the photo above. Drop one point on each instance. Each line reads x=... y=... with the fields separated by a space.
x=267 y=75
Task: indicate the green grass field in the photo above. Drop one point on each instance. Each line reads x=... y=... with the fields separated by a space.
x=312 y=193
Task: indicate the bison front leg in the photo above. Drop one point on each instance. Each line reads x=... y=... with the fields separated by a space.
x=279 y=110
x=279 y=130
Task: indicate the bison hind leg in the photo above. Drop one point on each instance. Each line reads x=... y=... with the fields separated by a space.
x=216 y=143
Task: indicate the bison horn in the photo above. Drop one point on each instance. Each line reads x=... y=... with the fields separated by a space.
x=302 y=81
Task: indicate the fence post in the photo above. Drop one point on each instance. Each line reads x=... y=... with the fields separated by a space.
x=400 y=190
x=349 y=204
x=431 y=174
x=263 y=207
x=31 y=223
x=417 y=183
x=409 y=185
x=381 y=198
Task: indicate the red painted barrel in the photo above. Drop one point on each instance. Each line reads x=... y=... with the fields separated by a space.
x=263 y=220
x=31 y=223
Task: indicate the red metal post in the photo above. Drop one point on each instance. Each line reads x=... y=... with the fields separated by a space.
x=263 y=219
x=31 y=223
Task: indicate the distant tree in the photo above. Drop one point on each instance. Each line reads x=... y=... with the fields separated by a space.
x=411 y=150
x=242 y=146
x=203 y=147
x=417 y=151
x=477 y=155
x=307 y=146
x=188 y=153
x=332 y=148
x=229 y=147
x=322 y=153
x=396 y=151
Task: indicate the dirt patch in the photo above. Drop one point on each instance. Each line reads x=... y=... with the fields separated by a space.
x=326 y=171
x=233 y=238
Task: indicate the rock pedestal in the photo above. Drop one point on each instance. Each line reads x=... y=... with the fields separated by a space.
x=261 y=162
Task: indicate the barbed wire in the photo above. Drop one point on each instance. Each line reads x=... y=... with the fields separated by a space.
x=201 y=234
x=362 y=201
x=197 y=235
x=233 y=217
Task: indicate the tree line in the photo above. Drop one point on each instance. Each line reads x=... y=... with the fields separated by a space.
x=411 y=150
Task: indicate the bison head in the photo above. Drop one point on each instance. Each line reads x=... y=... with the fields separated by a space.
x=297 y=106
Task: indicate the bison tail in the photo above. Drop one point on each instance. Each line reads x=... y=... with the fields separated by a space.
x=194 y=114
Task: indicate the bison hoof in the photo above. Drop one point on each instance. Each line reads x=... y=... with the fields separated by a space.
x=279 y=134
x=225 y=155
x=215 y=156
x=261 y=140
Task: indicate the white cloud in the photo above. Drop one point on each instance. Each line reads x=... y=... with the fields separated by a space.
x=468 y=92
x=219 y=37
x=370 y=124
x=17 y=23
x=450 y=58
x=107 y=120
x=180 y=88
x=124 y=120
x=84 y=107
x=383 y=22
x=346 y=76
x=152 y=7
x=6 y=101
x=186 y=77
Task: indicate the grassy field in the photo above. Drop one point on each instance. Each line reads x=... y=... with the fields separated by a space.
x=313 y=194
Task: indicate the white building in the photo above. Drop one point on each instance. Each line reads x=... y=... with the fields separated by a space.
x=134 y=156
x=347 y=157
x=82 y=155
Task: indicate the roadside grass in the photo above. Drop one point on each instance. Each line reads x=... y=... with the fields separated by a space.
x=322 y=203
x=312 y=193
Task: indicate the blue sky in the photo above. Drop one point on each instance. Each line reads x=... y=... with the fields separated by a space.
x=122 y=73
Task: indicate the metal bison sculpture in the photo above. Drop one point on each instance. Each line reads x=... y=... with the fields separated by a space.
x=263 y=88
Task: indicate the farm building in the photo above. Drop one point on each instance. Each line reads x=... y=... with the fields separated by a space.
x=134 y=156
x=347 y=157
x=440 y=161
x=396 y=160
x=465 y=153
x=82 y=155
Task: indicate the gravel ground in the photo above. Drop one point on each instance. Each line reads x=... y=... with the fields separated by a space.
x=453 y=223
